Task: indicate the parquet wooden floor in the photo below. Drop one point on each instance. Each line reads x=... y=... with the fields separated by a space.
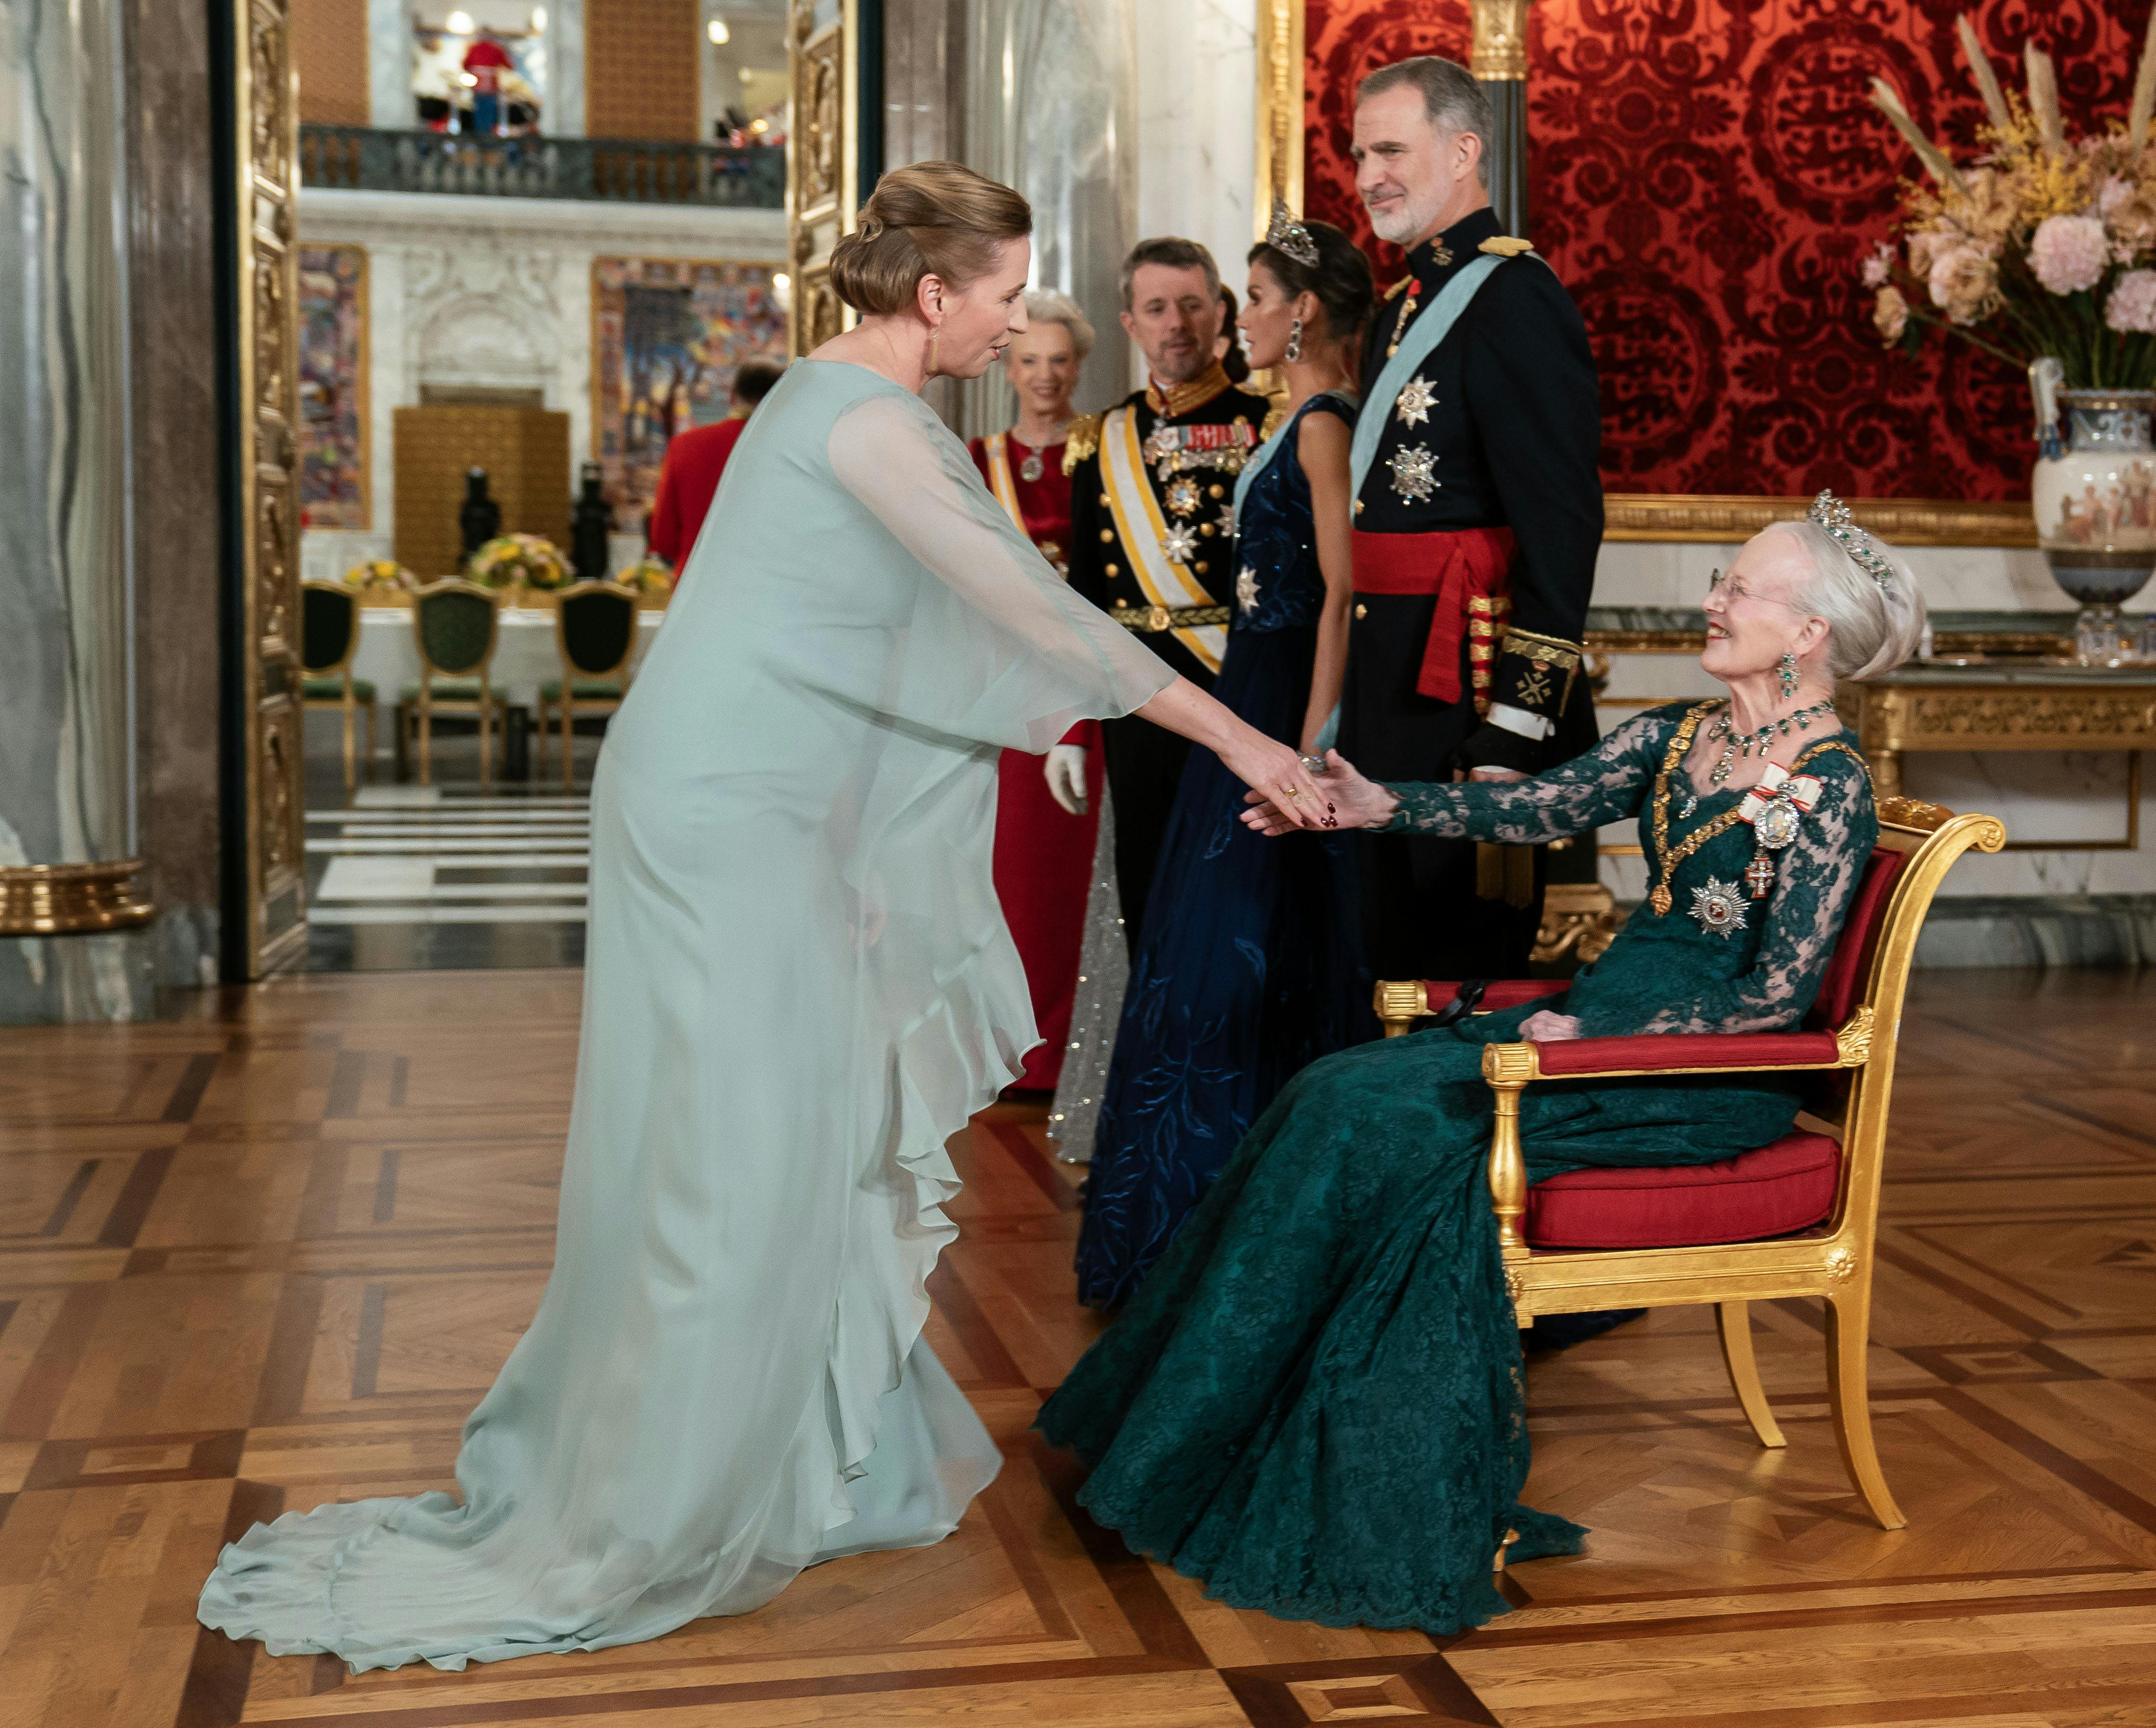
x=271 y=1256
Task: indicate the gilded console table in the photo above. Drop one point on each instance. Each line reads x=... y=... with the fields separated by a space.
x=2000 y=705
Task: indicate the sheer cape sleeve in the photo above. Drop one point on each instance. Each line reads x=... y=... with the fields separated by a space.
x=1606 y=784
x=1000 y=650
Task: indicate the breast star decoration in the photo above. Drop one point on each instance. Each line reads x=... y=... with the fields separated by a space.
x=1180 y=542
x=1183 y=497
x=1719 y=907
x=1413 y=475
x=1417 y=396
x=1246 y=589
x=1224 y=523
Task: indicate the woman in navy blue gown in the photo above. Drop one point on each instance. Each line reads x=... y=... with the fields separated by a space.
x=1249 y=963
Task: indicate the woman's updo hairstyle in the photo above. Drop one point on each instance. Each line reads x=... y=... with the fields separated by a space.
x=1341 y=277
x=927 y=219
x=1875 y=617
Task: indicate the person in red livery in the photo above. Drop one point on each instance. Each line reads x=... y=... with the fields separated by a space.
x=688 y=478
x=1044 y=850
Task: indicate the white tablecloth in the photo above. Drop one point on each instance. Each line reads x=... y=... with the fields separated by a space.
x=526 y=653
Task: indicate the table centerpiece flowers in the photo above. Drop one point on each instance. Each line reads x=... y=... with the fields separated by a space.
x=378 y=573
x=528 y=561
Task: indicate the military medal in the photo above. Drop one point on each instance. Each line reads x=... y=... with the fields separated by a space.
x=1246 y=589
x=1719 y=907
x=1412 y=477
x=1416 y=398
x=1182 y=497
x=1407 y=311
x=1031 y=469
x=1180 y=542
x=1775 y=808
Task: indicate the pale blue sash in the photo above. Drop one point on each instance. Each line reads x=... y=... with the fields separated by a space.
x=1415 y=347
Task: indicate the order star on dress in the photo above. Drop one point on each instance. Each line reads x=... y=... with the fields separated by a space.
x=1246 y=589
x=1414 y=472
x=1180 y=542
x=1719 y=907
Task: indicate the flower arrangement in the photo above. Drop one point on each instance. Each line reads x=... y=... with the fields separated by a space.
x=2040 y=245
x=381 y=573
x=649 y=575
x=529 y=559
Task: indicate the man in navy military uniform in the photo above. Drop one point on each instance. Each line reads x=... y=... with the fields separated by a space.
x=1478 y=515
x=1152 y=525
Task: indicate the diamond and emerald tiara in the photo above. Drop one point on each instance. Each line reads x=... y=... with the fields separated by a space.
x=1831 y=514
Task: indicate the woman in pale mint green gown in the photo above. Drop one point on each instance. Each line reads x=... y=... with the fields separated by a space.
x=799 y=986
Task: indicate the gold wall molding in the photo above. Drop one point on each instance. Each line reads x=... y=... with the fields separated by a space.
x=1499 y=53
x=71 y=899
x=1280 y=110
x=1733 y=517
x=823 y=166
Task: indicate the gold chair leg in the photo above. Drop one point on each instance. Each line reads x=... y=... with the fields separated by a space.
x=539 y=737
x=1734 y=1321
x=568 y=743
x=351 y=740
x=486 y=744
x=426 y=739
x=1848 y=1337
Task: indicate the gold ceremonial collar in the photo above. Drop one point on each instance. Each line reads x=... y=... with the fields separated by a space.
x=1173 y=401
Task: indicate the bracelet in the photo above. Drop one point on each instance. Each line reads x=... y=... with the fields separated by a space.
x=1315 y=764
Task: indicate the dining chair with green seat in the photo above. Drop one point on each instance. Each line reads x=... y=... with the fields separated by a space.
x=455 y=624
x=596 y=631
x=329 y=638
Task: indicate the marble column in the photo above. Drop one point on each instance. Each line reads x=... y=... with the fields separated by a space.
x=565 y=68
x=67 y=768
x=1050 y=109
x=389 y=99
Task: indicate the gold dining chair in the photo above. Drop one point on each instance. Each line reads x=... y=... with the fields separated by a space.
x=455 y=624
x=329 y=638
x=595 y=631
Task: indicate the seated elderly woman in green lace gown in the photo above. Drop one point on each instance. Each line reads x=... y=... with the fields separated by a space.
x=1313 y=1403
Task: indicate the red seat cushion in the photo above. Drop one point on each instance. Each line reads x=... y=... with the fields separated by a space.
x=1778 y=1188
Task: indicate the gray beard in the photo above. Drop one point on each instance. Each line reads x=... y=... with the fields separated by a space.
x=1409 y=230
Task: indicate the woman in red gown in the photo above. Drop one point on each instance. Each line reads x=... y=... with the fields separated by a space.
x=1044 y=853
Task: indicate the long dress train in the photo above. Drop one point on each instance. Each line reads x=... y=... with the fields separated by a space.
x=799 y=986
x=1313 y=1403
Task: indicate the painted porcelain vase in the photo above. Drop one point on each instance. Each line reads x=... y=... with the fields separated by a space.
x=2094 y=494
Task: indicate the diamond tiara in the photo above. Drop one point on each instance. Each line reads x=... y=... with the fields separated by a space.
x=1831 y=514
x=1290 y=237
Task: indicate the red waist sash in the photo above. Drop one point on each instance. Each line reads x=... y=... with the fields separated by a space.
x=1468 y=570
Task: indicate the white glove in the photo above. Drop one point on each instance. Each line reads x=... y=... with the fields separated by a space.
x=1066 y=777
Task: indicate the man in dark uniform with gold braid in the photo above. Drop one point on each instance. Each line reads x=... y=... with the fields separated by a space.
x=1478 y=515
x=1152 y=525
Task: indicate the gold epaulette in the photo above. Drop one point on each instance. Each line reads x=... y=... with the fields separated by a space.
x=1082 y=440
x=1275 y=418
x=1506 y=246
x=1397 y=288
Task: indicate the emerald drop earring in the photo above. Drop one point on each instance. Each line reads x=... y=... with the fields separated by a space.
x=1788 y=673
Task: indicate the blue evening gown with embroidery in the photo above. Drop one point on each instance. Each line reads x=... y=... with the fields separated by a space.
x=1249 y=965
x=799 y=988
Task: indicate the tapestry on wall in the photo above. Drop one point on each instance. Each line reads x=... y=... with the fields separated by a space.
x=667 y=335
x=333 y=386
x=1707 y=176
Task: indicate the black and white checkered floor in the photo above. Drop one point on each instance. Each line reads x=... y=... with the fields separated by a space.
x=417 y=877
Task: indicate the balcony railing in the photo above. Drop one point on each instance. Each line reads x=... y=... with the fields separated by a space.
x=628 y=171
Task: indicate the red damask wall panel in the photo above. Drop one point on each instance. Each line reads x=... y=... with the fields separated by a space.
x=1705 y=176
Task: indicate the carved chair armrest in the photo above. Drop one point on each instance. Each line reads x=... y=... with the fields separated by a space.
x=1509 y=1070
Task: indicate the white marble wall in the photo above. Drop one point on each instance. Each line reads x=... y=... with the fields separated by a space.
x=1197 y=66
x=389 y=63
x=493 y=293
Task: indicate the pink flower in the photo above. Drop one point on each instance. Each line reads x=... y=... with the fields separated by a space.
x=2114 y=191
x=1874 y=268
x=2069 y=253
x=2132 y=303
